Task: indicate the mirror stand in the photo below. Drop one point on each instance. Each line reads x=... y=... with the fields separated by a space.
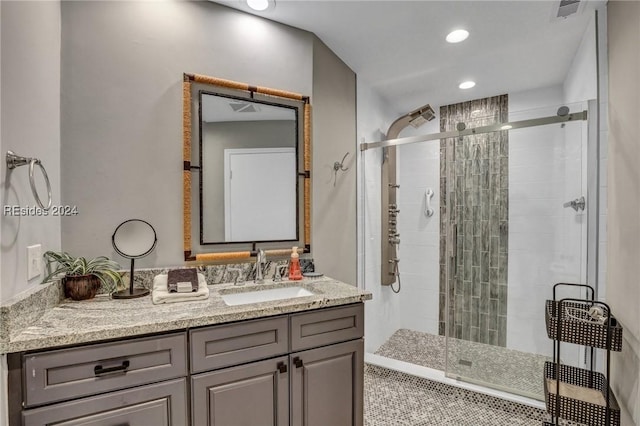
x=130 y=293
x=133 y=239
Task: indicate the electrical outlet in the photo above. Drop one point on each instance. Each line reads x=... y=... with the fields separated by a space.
x=34 y=261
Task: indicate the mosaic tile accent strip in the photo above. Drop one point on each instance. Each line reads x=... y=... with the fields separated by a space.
x=514 y=371
x=398 y=399
x=474 y=176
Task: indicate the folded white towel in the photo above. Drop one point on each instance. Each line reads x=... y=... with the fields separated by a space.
x=160 y=293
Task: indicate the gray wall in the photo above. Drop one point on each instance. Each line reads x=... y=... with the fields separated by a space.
x=122 y=117
x=236 y=135
x=623 y=283
x=30 y=126
x=334 y=134
x=122 y=106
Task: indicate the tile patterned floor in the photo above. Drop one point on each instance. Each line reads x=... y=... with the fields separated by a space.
x=515 y=371
x=392 y=398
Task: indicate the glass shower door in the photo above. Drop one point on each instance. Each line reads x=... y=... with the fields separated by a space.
x=506 y=239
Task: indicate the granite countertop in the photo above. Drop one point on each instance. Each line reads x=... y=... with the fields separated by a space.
x=102 y=318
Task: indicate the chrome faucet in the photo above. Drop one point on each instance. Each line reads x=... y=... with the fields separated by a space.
x=279 y=273
x=261 y=259
x=239 y=280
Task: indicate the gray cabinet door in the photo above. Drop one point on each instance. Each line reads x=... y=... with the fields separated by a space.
x=327 y=385
x=255 y=394
x=160 y=404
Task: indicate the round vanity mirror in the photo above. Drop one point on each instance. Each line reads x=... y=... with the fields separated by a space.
x=133 y=239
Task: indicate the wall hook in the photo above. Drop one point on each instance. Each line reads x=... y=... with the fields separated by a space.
x=339 y=166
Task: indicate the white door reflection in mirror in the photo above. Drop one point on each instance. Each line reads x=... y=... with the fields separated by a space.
x=260 y=194
x=230 y=123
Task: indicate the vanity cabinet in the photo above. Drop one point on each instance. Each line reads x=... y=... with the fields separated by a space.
x=318 y=381
x=301 y=369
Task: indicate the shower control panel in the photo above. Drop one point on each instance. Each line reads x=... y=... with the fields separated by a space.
x=390 y=240
x=393 y=231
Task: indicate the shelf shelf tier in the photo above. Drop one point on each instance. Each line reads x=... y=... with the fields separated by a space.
x=580 y=332
x=583 y=396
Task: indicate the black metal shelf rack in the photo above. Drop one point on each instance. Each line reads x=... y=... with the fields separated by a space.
x=577 y=394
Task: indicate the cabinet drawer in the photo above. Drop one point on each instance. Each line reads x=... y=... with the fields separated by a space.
x=71 y=373
x=319 y=328
x=160 y=404
x=233 y=344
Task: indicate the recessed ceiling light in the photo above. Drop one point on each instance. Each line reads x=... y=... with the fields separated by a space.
x=258 y=5
x=457 y=36
x=506 y=127
x=467 y=84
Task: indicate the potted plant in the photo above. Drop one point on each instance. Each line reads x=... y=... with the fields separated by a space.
x=83 y=277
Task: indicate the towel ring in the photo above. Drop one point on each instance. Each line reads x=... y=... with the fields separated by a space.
x=14 y=161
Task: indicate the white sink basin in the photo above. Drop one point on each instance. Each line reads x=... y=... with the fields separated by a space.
x=265 y=295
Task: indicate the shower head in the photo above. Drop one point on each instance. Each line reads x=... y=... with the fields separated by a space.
x=415 y=118
x=421 y=115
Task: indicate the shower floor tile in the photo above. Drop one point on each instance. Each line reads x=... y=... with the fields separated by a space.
x=392 y=398
x=508 y=369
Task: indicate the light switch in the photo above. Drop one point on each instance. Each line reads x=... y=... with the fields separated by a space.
x=34 y=261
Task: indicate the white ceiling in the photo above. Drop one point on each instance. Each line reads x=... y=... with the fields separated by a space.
x=398 y=47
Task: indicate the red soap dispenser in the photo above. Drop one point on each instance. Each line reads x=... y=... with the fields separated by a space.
x=294 y=265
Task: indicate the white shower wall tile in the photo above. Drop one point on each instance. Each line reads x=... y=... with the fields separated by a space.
x=427 y=237
x=533 y=224
x=534 y=241
x=420 y=295
x=419 y=169
x=425 y=267
x=526 y=191
x=419 y=305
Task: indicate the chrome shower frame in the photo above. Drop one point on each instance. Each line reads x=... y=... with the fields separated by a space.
x=389 y=210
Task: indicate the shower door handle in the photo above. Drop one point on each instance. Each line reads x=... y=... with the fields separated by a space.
x=577 y=204
x=453 y=255
x=454 y=241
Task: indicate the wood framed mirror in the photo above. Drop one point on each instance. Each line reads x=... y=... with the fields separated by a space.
x=246 y=170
